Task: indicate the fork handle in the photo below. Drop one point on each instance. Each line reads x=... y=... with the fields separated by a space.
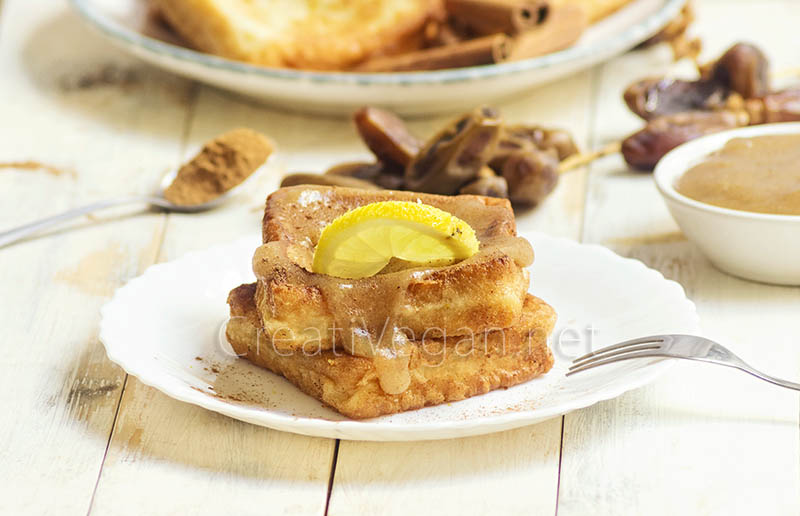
x=770 y=379
x=20 y=232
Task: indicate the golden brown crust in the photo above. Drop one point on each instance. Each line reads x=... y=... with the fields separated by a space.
x=442 y=370
x=450 y=299
x=286 y=219
x=596 y=10
x=482 y=292
x=298 y=33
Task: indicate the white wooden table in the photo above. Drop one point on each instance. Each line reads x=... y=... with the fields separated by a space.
x=78 y=435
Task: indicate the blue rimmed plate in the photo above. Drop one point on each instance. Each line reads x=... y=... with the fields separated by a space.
x=125 y=22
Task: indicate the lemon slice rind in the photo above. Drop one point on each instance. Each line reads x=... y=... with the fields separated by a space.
x=361 y=242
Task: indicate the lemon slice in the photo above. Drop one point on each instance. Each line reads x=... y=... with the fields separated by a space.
x=364 y=240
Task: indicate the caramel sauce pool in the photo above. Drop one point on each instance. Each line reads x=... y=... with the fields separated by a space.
x=759 y=174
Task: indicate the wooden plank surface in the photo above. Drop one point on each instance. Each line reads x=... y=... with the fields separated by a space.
x=703 y=439
x=114 y=127
x=514 y=472
x=100 y=119
x=185 y=456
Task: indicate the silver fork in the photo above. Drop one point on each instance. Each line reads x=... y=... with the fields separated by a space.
x=689 y=347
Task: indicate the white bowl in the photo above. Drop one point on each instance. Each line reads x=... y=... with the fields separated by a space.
x=754 y=246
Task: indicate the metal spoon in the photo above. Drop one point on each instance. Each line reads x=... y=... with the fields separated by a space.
x=156 y=200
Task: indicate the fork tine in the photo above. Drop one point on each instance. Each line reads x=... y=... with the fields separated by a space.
x=603 y=354
x=640 y=340
x=618 y=358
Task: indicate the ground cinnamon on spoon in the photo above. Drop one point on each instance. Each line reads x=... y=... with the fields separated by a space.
x=222 y=164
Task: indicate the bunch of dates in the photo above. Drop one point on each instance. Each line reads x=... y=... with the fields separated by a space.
x=732 y=91
x=475 y=154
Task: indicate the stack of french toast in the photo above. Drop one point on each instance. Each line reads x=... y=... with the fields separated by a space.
x=411 y=335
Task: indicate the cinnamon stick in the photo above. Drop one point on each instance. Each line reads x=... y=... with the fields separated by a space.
x=485 y=17
x=438 y=34
x=560 y=29
x=479 y=51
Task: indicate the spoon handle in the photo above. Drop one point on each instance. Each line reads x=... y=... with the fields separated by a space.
x=20 y=232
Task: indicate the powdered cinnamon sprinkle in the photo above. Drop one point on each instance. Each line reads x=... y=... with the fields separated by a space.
x=222 y=164
x=35 y=165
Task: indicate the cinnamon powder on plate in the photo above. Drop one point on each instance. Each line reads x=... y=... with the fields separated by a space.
x=222 y=164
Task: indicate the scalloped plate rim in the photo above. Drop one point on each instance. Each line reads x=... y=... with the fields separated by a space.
x=360 y=430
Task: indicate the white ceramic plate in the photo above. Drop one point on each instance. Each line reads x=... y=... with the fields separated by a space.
x=164 y=327
x=125 y=22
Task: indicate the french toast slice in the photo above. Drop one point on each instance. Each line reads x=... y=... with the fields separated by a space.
x=595 y=9
x=476 y=295
x=442 y=369
x=306 y=34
